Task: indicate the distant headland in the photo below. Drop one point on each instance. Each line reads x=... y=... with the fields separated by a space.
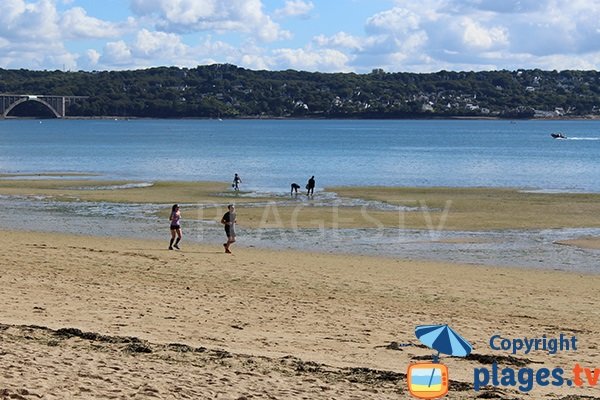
x=228 y=91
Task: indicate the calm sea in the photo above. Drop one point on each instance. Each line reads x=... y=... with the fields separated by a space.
x=270 y=154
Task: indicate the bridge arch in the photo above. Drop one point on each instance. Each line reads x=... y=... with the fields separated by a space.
x=56 y=104
x=31 y=98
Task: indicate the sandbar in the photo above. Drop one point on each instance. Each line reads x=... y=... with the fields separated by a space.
x=474 y=209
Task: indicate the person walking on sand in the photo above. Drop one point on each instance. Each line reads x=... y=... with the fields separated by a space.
x=236 y=182
x=175 y=218
x=229 y=220
x=310 y=186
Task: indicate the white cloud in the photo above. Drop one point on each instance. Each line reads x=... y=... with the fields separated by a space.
x=77 y=24
x=116 y=53
x=477 y=34
x=211 y=51
x=501 y=7
x=93 y=57
x=30 y=36
x=255 y=61
x=467 y=36
x=29 y=21
x=420 y=36
x=64 y=60
x=400 y=20
x=11 y=11
x=339 y=40
x=311 y=60
x=295 y=8
x=477 y=37
x=185 y=16
x=158 y=45
x=153 y=48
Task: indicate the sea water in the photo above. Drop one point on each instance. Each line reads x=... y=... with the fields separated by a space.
x=270 y=154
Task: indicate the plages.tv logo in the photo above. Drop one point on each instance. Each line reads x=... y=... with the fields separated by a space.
x=526 y=379
x=429 y=380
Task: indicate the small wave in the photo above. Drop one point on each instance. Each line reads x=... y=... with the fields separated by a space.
x=555 y=191
x=320 y=199
x=115 y=187
x=24 y=197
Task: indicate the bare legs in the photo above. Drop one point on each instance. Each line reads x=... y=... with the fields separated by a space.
x=230 y=241
x=175 y=232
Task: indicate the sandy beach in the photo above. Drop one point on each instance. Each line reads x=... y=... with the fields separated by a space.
x=90 y=317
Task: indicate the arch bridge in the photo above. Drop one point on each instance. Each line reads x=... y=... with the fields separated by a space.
x=56 y=104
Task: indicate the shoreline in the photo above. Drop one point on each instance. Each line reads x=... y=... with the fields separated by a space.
x=317 y=118
x=496 y=227
x=457 y=208
x=256 y=310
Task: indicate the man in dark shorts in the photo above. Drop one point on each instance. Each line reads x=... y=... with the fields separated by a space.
x=229 y=222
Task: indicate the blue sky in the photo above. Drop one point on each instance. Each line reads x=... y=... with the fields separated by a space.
x=312 y=35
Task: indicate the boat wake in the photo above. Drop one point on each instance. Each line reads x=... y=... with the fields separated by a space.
x=583 y=138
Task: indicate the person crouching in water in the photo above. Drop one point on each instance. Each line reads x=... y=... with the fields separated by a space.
x=294 y=188
x=229 y=221
x=175 y=226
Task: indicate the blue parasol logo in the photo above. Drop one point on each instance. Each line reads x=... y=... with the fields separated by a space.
x=443 y=339
x=427 y=381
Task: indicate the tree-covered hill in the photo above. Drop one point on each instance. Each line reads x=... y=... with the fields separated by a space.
x=226 y=91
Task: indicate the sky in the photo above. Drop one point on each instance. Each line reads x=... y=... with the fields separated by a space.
x=311 y=35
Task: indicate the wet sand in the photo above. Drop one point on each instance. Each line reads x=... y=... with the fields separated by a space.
x=583 y=243
x=475 y=209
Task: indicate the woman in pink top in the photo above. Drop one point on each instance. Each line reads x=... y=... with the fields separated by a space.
x=175 y=226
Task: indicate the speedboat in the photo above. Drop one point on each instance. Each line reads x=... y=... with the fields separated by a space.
x=558 y=135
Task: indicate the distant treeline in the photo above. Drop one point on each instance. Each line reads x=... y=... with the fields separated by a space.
x=227 y=91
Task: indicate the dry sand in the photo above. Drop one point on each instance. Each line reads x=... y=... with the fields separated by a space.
x=87 y=317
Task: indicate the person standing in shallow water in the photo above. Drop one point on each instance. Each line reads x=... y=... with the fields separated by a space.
x=310 y=186
x=236 y=182
x=175 y=227
x=229 y=221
